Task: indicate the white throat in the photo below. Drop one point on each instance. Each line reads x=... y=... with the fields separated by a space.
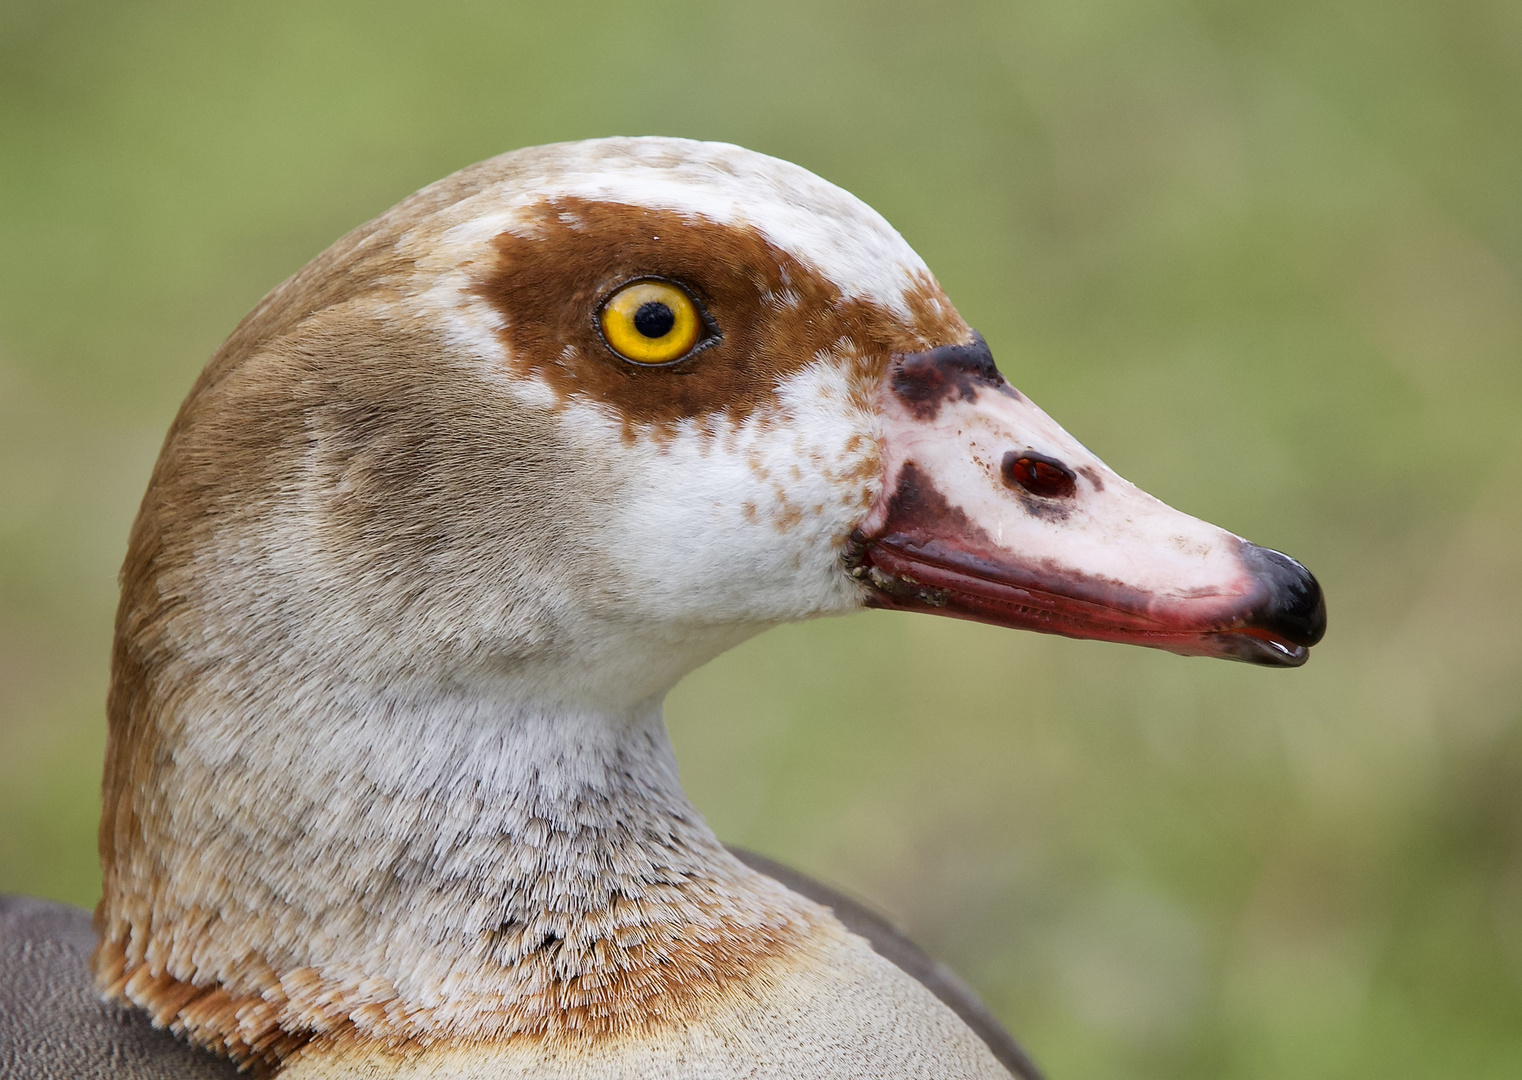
x=457 y=829
x=424 y=825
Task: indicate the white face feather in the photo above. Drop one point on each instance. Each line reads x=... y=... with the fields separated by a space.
x=715 y=522
x=744 y=524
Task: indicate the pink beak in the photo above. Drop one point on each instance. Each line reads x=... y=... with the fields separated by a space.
x=991 y=511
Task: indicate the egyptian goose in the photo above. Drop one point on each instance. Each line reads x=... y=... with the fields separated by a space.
x=388 y=791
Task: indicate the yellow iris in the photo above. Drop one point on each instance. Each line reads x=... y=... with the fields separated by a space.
x=651 y=322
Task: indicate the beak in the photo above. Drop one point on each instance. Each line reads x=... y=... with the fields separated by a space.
x=991 y=511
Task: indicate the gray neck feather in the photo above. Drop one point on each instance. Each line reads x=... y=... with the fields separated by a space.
x=397 y=837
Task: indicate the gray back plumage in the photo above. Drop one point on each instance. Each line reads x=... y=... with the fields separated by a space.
x=891 y=944
x=53 y=1025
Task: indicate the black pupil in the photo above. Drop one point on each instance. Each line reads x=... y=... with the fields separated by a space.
x=654 y=319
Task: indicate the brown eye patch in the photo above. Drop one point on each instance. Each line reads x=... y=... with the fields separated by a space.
x=774 y=313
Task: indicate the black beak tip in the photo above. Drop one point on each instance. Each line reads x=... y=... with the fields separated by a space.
x=1293 y=606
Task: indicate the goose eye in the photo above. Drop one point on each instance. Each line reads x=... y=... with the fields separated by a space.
x=651 y=322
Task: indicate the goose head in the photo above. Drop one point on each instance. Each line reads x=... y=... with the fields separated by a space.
x=455 y=506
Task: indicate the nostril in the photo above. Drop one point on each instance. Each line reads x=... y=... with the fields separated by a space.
x=1038 y=475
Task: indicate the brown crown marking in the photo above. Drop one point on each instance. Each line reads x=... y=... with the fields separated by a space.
x=774 y=313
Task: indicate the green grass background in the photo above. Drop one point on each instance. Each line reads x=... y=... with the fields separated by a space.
x=1265 y=258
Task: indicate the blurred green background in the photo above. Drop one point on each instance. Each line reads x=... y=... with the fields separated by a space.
x=1265 y=258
